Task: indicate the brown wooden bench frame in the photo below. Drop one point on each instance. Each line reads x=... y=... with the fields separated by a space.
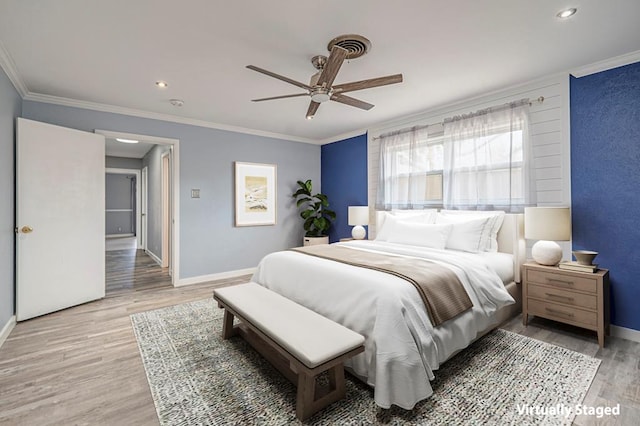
x=310 y=396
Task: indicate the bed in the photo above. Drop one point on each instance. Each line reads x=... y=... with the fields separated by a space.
x=403 y=350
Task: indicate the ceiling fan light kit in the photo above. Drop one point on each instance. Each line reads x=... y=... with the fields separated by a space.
x=320 y=88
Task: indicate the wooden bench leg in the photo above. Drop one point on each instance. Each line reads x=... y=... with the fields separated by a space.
x=307 y=404
x=227 y=325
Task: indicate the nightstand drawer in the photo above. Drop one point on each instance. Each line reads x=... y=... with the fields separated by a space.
x=553 y=294
x=563 y=313
x=563 y=281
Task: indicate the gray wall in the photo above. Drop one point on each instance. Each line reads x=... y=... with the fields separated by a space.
x=123 y=163
x=209 y=242
x=119 y=195
x=153 y=162
x=10 y=108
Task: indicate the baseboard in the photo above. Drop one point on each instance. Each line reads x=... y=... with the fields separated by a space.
x=214 y=277
x=625 y=333
x=6 y=330
x=109 y=236
x=154 y=257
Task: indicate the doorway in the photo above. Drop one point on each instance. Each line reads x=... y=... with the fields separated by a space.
x=166 y=210
x=158 y=180
x=122 y=207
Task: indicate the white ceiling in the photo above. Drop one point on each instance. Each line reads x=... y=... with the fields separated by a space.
x=110 y=53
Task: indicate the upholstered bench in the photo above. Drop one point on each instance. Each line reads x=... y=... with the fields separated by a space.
x=297 y=341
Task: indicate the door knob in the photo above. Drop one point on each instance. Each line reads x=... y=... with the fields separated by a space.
x=26 y=229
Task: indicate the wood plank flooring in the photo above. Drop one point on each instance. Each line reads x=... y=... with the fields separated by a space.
x=81 y=366
x=133 y=270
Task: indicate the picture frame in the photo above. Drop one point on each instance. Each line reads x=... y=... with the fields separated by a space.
x=255 y=194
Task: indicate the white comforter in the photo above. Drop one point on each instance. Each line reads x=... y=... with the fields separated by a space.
x=402 y=348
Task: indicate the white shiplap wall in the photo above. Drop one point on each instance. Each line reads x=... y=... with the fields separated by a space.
x=549 y=129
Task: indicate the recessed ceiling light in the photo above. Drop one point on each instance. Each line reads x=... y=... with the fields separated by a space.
x=564 y=14
x=162 y=84
x=126 y=140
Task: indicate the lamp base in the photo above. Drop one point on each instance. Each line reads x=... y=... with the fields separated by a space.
x=546 y=252
x=358 y=232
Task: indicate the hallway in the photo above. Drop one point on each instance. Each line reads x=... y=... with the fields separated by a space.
x=131 y=270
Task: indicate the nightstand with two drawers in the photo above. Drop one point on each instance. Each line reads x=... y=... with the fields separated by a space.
x=576 y=298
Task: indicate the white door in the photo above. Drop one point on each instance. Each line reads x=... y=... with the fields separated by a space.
x=60 y=218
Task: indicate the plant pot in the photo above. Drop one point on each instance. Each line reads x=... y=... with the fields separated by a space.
x=312 y=241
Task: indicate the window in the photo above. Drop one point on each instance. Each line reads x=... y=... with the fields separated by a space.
x=411 y=167
x=478 y=161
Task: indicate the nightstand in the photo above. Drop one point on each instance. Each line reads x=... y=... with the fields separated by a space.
x=576 y=298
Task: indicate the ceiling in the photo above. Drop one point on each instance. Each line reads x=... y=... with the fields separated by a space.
x=113 y=148
x=109 y=54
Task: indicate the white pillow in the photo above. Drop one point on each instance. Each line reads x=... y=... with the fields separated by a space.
x=470 y=235
x=428 y=215
x=420 y=234
x=390 y=219
x=495 y=223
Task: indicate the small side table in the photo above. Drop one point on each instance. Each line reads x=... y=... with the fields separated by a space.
x=571 y=297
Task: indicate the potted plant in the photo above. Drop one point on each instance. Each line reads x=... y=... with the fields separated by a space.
x=315 y=212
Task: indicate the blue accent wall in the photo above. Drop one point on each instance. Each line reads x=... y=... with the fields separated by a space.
x=344 y=180
x=605 y=180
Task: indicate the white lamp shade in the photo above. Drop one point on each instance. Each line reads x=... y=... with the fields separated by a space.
x=547 y=223
x=358 y=215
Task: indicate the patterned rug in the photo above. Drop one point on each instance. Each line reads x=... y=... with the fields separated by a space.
x=196 y=378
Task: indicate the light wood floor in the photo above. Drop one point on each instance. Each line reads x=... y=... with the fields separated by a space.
x=132 y=270
x=81 y=366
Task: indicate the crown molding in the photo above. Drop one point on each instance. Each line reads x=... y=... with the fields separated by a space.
x=9 y=67
x=343 y=136
x=58 y=100
x=607 y=64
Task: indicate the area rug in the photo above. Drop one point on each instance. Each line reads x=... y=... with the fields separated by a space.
x=196 y=378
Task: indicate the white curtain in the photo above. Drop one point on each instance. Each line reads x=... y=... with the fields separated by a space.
x=405 y=159
x=487 y=160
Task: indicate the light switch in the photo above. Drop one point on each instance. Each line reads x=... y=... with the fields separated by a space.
x=195 y=193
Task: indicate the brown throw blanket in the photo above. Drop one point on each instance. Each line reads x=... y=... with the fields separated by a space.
x=440 y=289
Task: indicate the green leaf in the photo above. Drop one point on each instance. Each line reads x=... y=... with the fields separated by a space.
x=306 y=213
x=299 y=192
x=329 y=213
x=308 y=185
x=301 y=201
x=308 y=224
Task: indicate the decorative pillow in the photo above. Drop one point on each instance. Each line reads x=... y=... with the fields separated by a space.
x=495 y=223
x=390 y=219
x=420 y=234
x=470 y=235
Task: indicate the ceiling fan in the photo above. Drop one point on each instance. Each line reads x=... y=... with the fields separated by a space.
x=321 y=88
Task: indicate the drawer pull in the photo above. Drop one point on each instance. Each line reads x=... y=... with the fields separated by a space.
x=557 y=312
x=557 y=296
x=563 y=282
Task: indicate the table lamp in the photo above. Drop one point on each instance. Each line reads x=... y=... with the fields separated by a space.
x=358 y=216
x=547 y=225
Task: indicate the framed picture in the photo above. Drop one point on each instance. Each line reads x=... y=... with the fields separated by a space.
x=255 y=194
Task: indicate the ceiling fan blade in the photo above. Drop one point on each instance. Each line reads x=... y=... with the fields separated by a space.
x=279 y=97
x=313 y=107
x=367 y=84
x=279 y=77
x=331 y=68
x=347 y=100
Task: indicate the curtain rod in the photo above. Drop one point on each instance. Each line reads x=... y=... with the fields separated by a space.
x=539 y=100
